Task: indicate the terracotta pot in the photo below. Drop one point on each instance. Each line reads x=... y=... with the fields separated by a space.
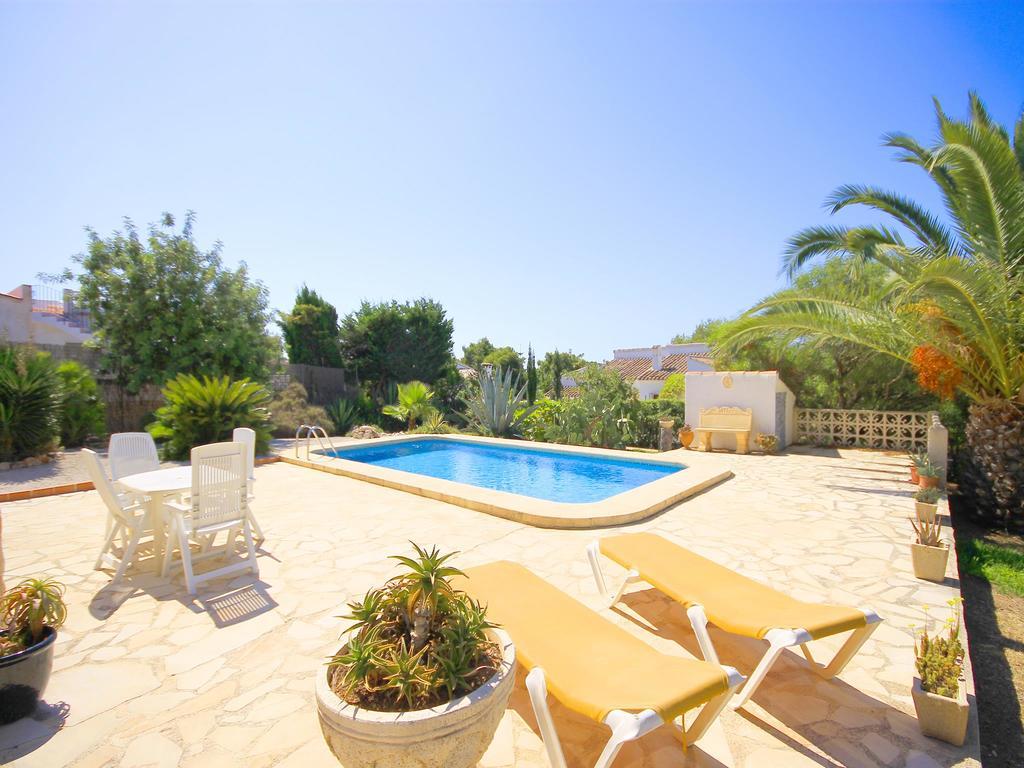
x=685 y=437
x=940 y=716
x=929 y=562
x=452 y=735
x=914 y=477
x=928 y=482
x=925 y=512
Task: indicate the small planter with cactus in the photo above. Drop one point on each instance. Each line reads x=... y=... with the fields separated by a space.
x=926 y=504
x=769 y=444
x=30 y=615
x=928 y=551
x=939 y=690
x=916 y=461
x=424 y=678
x=928 y=474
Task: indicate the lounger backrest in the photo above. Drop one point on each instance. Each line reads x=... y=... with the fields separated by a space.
x=726 y=418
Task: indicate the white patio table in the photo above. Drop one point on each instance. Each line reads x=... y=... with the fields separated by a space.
x=158 y=485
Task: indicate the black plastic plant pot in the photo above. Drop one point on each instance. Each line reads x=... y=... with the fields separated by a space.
x=23 y=678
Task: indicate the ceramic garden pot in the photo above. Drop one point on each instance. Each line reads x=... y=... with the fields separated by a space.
x=925 y=512
x=685 y=437
x=914 y=477
x=928 y=482
x=929 y=562
x=452 y=735
x=23 y=678
x=940 y=716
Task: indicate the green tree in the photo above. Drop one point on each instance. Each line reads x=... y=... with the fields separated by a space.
x=674 y=387
x=553 y=365
x=392 y=342
x=505 y=358
x=953 y=301
x=81 y=409
x=161 y=306
x=473 y=354
x=311 y=331
x=531 y=376
x=604 y=414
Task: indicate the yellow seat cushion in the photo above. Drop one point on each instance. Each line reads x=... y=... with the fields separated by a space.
x=591 y=665
x=731 y=601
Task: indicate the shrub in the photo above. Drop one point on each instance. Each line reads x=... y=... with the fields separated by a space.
x=435 y=424
x=674 y=387
x=29 y=404
x=413 y=404
x=290 y=408
x=648 y=413
x=202 y=411
x=538 y=425
x=417 y=642
x=940 y=658
x=767 y=443
x=82 y=411
x=25 y=610
x=497 y=406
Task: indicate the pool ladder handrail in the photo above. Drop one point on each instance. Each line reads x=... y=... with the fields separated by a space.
x=313 y=431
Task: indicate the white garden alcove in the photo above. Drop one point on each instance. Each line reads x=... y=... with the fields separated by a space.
x=763 y=392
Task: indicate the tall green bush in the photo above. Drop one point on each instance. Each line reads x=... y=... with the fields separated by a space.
x=82 y=410
x=29 y=404
x=202 y=411
x=291 y=408
x=311 y=331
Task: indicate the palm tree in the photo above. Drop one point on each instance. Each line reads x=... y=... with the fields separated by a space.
x=413 y=403
x=953 y=302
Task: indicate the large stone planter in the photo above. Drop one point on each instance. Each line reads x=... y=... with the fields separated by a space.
x=453 y=735
x=941 y=717
x=925 y=512
x=929 y=562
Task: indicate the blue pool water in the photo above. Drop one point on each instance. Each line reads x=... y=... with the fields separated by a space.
x=543 y=474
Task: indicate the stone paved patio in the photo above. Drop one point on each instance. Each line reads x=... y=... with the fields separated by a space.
x=147 y=676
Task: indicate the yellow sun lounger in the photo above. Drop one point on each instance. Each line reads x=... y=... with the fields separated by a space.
x=593 y=666
x=711 y=592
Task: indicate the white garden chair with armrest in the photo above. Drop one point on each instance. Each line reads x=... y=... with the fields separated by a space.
x=126 y=518
x=131 y=453
x=218 y=502
x=247 y=437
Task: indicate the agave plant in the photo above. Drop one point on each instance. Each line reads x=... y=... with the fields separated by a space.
x=497 y=407
x=952 y=304
x=414 y=403
x=201 y=411
x=29 y=404
x=343 y=415
x=416 y=642
x=27 y=609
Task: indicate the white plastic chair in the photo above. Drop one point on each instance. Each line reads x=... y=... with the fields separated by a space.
x=218 y=502
x=130 y=453
x=126 y=518
x=247 y=437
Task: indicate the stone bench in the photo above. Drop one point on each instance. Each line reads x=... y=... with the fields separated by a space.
x=731 y=421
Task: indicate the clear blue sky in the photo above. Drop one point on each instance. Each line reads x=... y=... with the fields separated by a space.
x=576 y=175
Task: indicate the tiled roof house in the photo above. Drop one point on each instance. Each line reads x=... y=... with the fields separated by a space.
x=647 y=368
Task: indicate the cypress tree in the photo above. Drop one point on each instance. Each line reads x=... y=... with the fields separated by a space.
x=531 y=376
x=556 y=374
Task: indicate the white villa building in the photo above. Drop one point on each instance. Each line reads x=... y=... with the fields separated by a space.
x=42 y=315
x=647 y=368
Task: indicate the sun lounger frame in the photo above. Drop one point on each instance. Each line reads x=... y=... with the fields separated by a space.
x=778 y=639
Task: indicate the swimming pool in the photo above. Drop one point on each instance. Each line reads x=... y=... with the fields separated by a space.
x=552 y=475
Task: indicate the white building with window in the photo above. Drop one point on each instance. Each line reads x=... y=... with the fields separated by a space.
x=42 y=315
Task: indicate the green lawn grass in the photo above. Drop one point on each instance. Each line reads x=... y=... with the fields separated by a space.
x=1003 y=567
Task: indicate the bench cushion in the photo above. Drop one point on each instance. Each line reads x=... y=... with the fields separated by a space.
x=590 y=664
x=731 y=601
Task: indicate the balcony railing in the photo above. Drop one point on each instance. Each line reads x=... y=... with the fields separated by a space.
x=63 y=304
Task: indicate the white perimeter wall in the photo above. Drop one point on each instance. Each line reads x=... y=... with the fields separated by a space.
x=750 y=389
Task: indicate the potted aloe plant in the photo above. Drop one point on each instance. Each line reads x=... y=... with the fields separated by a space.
x=767 y=443
x=423 y=679
x=928 y=474
x=939 y=690
x=926 y=502
x=928 y=551
x=30 y=615
x=916 y=461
